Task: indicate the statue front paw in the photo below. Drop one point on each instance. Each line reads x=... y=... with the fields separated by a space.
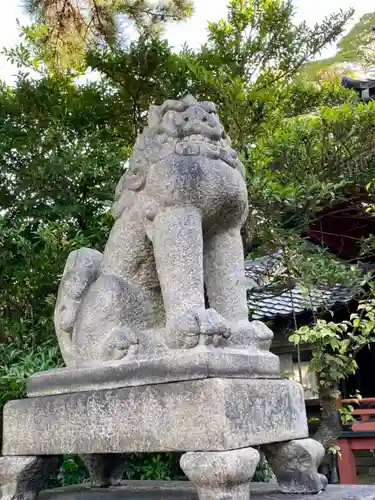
x=118 y=344
x=205 y=326
x=251 y=334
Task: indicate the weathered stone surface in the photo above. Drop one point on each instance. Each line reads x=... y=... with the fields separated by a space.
x=179 y=209
x=21 y=478
x=207 y=415
x=157 y=490
x=295 y=465
x=225 y=474
x=198 y=363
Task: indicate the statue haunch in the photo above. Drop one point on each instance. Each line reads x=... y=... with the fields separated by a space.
x=179 y=209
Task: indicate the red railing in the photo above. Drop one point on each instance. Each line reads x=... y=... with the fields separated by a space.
x=366 y=416
x=360 y=437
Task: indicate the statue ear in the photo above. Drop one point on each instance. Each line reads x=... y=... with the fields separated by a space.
x=124 y=203
x=120 y=187
x=153 y=116
x=135 y=177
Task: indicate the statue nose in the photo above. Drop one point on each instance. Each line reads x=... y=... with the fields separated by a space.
x=197 y=114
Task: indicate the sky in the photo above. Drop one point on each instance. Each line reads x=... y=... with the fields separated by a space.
x=193 y=31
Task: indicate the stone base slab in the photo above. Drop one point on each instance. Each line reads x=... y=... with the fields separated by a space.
x=159 y=490
x=206 y=415
x=175 y=366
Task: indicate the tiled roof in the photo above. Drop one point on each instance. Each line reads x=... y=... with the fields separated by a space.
x=266 y=304
x=261 y=271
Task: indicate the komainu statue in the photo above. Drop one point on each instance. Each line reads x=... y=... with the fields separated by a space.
x=151 y=367
x=179 y=209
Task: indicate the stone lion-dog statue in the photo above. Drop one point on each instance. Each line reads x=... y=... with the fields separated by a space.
x=178 y=212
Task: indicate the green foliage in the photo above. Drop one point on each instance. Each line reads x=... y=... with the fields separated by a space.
x=332 y=348
x=346 y=414
x=263 y=473
x=250 y=56
x=334 y=345
x=71 y=471
x=17 y=364
x=260 y=39
x=159 y=466
x=356 y=47
x=63 y=31
x=327 y=154
x=141 y=466
x=61 y=150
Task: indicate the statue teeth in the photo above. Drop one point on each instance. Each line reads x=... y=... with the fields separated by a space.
x=185 y=148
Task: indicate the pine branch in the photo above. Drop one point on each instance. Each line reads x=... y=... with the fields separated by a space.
x=73 y=25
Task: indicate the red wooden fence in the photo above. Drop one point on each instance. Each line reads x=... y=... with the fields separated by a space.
x=360 y=437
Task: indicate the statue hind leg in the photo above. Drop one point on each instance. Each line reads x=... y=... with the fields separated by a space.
x=103 y=331
x=92 y=311
x=81 y=269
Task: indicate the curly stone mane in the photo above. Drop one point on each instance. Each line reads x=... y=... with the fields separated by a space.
x=165 y=128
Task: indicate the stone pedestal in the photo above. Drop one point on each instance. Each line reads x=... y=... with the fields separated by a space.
x=189 y=404
x=206 y=415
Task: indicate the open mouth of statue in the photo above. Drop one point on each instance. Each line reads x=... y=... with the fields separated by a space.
x=195 y=145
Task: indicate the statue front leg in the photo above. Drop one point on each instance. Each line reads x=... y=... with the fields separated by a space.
x=225 y=281
x=177 y=240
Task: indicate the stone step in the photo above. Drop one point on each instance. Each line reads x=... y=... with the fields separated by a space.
x=184 y=490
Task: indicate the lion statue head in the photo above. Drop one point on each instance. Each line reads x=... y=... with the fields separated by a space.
x=178 y=127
